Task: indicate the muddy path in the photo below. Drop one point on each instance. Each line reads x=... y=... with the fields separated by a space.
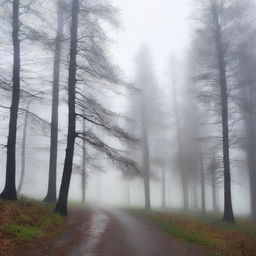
x=117 y=233
x=140 y=237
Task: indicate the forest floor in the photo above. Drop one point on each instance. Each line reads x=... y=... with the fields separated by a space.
x=223 y=239
x=25 y=225
x=28 y=228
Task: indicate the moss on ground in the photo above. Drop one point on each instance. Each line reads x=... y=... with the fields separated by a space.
x=222 y=238
x=26 y=224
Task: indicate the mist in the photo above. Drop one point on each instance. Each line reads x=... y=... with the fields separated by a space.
x=129 y=108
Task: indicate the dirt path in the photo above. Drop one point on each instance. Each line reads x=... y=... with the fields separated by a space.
x=119 y=233
x=142 y=238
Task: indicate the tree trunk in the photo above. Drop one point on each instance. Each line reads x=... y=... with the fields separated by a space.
x=203 y=208
x=214 y=192
x=146 y=166
x=180 y=152
x=163 y=189
x=145 y=149
x=51 y=194
x=228 y=209
x=83 y=165
x=23 y=151
x=9 y=191
x=61 y=206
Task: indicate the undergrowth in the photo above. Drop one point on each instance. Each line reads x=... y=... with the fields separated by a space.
x=25 y=223
x=222 y=238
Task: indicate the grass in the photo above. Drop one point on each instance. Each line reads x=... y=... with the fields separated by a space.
x=27 y=223
x=223 y=239
x=23 y=232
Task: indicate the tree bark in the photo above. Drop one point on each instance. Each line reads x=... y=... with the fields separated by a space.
x=146 y=166
x=180 y=149
x=23 y=150
x=9 y=191
x=51 y=193
x=61 y=206
x=163 y=189
x=214 y=192
x=145 y=149
x=228 y=209
x=203 y=208
x=83 y=164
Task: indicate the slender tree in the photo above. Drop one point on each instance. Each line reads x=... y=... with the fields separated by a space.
x=51 y=194
x=61 y=206
x=202 y=182
x=23 y=149
x=163 y=188
x=228 y=209
x=215 y=49
x=146 y=163
x=9 y=191
x=179 y=138
x=146 y=83
x=83 y=164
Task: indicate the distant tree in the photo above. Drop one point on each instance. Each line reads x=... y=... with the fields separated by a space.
x=181 y=158
x=213 y=167
x=51 y=194
x=23 y=149
x=146 y=106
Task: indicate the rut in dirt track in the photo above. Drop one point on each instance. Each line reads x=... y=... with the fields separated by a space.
x=118 y=233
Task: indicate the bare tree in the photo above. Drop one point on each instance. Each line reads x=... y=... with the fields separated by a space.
x=89 y=65
x=61 y=206
x=9 y=191
x=51 y=194
x=179 y=139
x=216 y=43
x=23 y=149
x=83 y=164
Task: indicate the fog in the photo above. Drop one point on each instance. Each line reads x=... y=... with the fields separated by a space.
x=149 y=89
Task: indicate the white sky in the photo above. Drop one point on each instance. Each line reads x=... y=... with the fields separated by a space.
x=162 y=24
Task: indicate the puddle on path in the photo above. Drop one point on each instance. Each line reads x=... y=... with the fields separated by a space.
x=97 y=227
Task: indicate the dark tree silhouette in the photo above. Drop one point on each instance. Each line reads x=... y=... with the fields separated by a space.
x=9 y=191
x=228 y=210
x=61 y=206
x=51 y=194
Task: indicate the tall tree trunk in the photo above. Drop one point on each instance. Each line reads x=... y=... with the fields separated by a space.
x=180 y=152
x=23 y=150
x=202 y=180
x=163 y=189
x=83 y=164
x=61 y=206
x=9 y=191
x=145 y=149
x=51 y=193
x=146 y=166
x=228 y=209
x=214 y=192
x=195 y=195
